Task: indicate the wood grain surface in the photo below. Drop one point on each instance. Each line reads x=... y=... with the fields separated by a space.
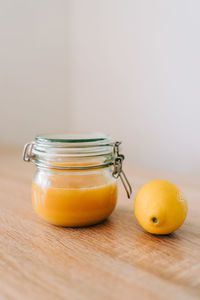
x=113 y=260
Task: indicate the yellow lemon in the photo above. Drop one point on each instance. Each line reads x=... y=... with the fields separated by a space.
x=160 y=207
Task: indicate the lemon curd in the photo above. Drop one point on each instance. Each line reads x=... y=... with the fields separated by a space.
x=75 y=181
x=74 y=200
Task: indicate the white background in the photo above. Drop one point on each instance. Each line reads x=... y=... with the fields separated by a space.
x=130 y=68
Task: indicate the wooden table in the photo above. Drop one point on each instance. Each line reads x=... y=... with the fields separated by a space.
x=113 y=260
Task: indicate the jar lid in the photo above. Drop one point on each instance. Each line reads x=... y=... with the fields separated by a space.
x=63 y=139
x=72 y=145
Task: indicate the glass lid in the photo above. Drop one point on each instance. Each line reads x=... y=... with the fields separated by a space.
x=63 y=146
x=94 y=138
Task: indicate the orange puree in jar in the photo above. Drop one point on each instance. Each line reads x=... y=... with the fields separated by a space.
x=74 y=199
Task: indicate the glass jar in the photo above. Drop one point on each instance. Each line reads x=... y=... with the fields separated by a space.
x=75 y=181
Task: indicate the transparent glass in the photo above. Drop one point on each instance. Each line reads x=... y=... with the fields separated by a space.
x=74 y=184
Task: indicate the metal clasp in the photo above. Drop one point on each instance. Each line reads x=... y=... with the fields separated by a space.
x=118 y=172
x=27 y=153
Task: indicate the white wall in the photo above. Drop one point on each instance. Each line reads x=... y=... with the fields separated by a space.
x=129 y=68
x=34 y=68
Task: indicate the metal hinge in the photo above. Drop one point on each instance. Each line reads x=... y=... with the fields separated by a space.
x=27 y=153
x=118 y=171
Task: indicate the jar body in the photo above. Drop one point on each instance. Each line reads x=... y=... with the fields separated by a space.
x=74 y=198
